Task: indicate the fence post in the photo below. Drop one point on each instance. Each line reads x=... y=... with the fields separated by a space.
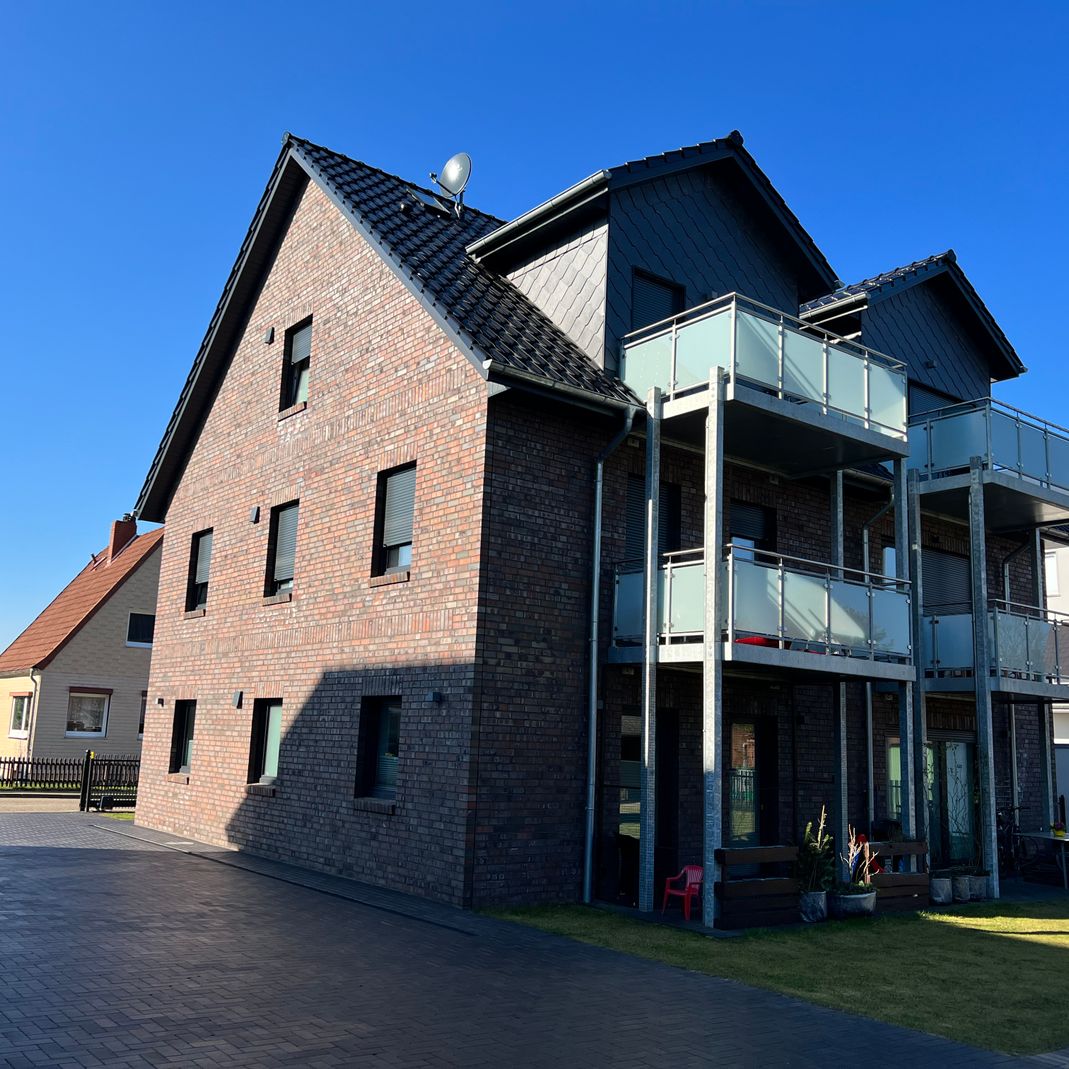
x=87 y=768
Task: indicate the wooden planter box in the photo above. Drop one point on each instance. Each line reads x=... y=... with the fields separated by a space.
x=901 y=890
x=753 y=901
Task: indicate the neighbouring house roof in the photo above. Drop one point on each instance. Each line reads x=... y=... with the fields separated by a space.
x=941 y=265
x=75 y=605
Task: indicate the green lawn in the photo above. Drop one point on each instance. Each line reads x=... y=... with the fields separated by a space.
x=990 y=975
x=120 y=816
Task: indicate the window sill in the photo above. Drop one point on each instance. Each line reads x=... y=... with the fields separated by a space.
x=18 y=734
x=390 y=578
x=279 y=599
x=178 y=777
x=264 y=790
x=292 y=410
x=139 y=645
x=85 y=734
x=193 y=614
x=385 y=806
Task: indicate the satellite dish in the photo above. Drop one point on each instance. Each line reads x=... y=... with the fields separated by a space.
x=455 y=175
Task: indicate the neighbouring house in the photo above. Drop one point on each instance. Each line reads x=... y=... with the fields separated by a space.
x=441 y=490
x=77 y=678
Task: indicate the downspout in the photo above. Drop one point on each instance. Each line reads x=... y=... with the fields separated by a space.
x=869 y=756
x=33 y=713
x=592 y=696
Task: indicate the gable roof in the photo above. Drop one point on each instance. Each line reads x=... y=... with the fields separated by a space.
x=75 y=605
x=580 y=195
x=940 y=265
x=503 y=334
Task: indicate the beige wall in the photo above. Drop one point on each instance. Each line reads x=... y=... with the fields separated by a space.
x=98 y=656
x=10 y=686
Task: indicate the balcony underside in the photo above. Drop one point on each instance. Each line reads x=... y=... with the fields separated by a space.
x=795 y=438
x=1011 y=503
x=1014 y=687
x=776 y=661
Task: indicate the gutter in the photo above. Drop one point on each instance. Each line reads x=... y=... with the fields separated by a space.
x=592 y=696
x=498 y=372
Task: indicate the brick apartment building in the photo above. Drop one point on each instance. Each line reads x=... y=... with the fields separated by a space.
x=439 y=493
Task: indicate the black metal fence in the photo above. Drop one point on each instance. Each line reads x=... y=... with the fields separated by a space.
x=41 y=773
x=109 y=782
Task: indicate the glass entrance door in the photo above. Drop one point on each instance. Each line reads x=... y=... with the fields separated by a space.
x=743 y=811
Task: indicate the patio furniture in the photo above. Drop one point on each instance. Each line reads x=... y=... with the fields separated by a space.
x=691 y=878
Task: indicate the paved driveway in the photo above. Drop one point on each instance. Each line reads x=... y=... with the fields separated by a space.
x=121 y=952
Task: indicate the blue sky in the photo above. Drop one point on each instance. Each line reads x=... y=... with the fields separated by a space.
x=137 y=139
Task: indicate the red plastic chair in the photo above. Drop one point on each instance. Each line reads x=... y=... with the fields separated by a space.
x=691 y=876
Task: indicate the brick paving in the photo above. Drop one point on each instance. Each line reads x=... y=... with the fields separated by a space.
x=118 y=951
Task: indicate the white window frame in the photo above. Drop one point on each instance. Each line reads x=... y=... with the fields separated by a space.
x=89 y=693
x=22 y=733
x=137 y=645
x=1050 y=573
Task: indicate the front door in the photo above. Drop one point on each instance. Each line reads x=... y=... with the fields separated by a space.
x=743 y=824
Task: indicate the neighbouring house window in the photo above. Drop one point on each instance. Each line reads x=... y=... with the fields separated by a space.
x=266 y=739
x=140 y=629
x=87 y=712
x=185 y=713
x=654 y=299
x=20 y=716
x=281 y=549
x=395 y=505
x=141 y=718
x=380 y=731
x=296 y=360
x=1050 y=573
x=200 y=563
x=669 y=518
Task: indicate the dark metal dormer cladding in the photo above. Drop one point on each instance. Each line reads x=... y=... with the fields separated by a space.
x=929 y=315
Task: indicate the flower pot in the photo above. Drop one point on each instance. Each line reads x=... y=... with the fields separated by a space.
x=861 y=905
x=940 y=890
x=1059 y=833
x=814 y=906
x=978 y=888
x=962 y=887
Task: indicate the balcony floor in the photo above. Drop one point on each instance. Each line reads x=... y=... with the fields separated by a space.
x=1014 y=687
x=1010 y=502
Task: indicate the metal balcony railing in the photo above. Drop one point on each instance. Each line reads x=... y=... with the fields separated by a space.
x=1026 y=642
x=1005 y=438
x=773 y=600
x=773 y=352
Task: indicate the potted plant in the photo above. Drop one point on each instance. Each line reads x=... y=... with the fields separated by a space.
x=940 y=887
x=978 y=883
x=1058 y=829
x=961 y=883
x=856 y=898
x=815 y=870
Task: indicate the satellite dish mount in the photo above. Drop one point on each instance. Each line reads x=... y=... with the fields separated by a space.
x=454 y=179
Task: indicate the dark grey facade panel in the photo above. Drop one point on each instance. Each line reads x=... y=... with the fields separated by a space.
x=567 y=283
x=920 y=326
x=691 y=228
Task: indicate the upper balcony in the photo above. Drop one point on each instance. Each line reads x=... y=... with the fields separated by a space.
x=779 y=611
x=800 y=399
x=1028 y=646
x=1025 y=463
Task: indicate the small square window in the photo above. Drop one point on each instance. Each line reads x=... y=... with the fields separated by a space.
x=394 y=508
x=185 y=713
x=379 y=747
x=200 y=564
x=87 y=712
x=281 y=549
x=140 y=629
x=20 y=716
x=266 y=740
x=297 y=357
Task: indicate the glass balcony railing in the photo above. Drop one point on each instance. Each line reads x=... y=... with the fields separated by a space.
x=1004 y=438
x=772 y=352
x=774 y=601
x=1026 y=642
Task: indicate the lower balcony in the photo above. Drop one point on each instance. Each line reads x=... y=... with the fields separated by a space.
x=783 y=612
x=1028 y=648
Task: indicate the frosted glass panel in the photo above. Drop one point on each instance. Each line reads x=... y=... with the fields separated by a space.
x=756 y=598
x=1011 y=641
x=849 y=614
x=700 y=347
x=628 y=621
x=1005 y=448
x=846 y=381
x=953 y=641
x=805 y=607
x=890 y=621
x=1059 y=461
x=688 y=598
x=887 y=397
x=956 y=439
x=918 y=446
x=757 y=350
x=1033 y=452
x=803 y=366
x=648 y=363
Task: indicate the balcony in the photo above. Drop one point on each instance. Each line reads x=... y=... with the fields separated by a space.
x=800 y=398
x=1025 y=463
x=1028 y=648
x=781 y=611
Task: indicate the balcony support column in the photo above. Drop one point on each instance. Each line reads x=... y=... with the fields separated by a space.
x=713 y=666
x=651 y=582
x=911 y=519
x=907 y=738
x=985 y=735
x=840 y=803
x=1046 y=752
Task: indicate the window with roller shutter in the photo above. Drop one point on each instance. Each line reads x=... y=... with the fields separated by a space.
x=296 y=361
x=669 y=518
x=282 y=549
x=394 y=510
x=379 y=748
x=200 y=563
x=946 y=582
x=654 y=299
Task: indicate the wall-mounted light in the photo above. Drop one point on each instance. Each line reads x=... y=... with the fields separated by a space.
x=159 y=701
x=254 y=514
x=238 y=695
x=269 y=335
x=434 y=696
